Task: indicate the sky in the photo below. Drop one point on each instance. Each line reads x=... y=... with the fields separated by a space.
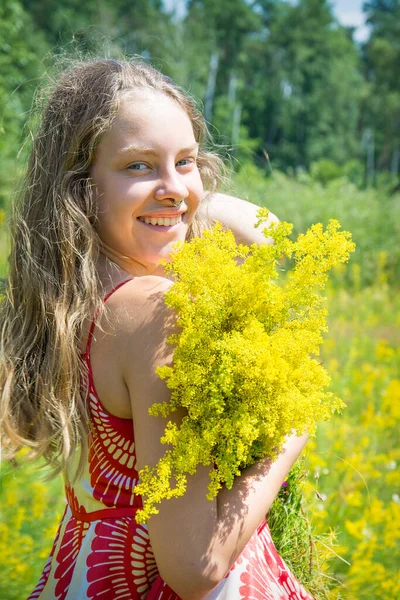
x=347 y=12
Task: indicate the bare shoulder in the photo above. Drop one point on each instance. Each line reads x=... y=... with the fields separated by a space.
x=140 y=302
x=144 y=324
x=141 y=324
x=139 y=289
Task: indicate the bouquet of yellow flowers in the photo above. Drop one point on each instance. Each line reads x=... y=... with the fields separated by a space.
x=244 y=365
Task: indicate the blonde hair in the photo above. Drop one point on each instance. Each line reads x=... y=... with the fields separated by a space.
x=53 y=287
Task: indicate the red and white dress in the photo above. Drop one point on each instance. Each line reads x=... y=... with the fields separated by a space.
x=101 y=553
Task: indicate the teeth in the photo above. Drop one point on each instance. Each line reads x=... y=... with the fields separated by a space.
x=161 y=221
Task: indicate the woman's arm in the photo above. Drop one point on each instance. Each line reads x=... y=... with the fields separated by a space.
x=241 y=509
x=195 y=541
x=239 y=216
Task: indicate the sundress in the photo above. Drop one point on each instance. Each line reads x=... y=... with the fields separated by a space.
x=101 y=553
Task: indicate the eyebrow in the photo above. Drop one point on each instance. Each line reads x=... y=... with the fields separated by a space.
x=133 y=148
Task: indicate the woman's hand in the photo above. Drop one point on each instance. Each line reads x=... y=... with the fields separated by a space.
x=240 y=217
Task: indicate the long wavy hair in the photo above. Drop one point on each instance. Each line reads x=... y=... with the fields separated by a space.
x=53 y=287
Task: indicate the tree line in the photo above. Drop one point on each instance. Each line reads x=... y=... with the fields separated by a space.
x=279 y=81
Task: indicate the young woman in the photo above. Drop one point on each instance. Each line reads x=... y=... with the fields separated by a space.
x=118 y=173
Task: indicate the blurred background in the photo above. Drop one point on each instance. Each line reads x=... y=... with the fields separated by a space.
x=302 y=98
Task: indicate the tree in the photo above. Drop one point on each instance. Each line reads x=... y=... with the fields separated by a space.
x=381 y=107
x=221 y=31
x=311 y=85
x=21 y=46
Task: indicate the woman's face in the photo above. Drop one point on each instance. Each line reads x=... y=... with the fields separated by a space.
x=144 y=164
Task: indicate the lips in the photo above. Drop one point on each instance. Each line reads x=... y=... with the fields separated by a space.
x=166 y=219
x=162 y=221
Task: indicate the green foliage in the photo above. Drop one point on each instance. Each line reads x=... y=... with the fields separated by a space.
x=21 y=47
x=381 y=105
x=324 y=171
x=308 y=554
x=230 y=21
x=306 y=103
x=273 y=75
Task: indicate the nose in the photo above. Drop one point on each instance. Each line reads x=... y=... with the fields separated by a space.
x=171 y=186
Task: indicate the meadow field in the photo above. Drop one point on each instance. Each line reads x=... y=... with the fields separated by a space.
x=352 y=488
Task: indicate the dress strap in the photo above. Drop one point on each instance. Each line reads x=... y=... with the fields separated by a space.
x=93 y=324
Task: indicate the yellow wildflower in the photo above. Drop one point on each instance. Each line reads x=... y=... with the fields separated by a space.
x=244 y=363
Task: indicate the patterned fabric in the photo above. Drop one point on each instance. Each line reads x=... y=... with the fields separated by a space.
x=100 y=553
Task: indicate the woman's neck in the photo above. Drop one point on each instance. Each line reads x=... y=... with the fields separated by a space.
x=114 y=266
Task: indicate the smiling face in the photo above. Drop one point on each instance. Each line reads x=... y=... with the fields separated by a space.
x=144 y=164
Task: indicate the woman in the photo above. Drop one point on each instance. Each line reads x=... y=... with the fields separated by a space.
x=118 y=174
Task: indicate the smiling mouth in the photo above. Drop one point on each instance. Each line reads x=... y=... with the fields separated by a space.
x=161 y=221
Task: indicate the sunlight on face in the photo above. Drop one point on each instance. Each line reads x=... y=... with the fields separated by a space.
x=144 y=164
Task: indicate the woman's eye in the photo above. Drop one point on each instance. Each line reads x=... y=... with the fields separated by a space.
x=184 y=162
x=138 y=167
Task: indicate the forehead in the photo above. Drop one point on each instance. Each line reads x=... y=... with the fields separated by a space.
x=151 y=118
